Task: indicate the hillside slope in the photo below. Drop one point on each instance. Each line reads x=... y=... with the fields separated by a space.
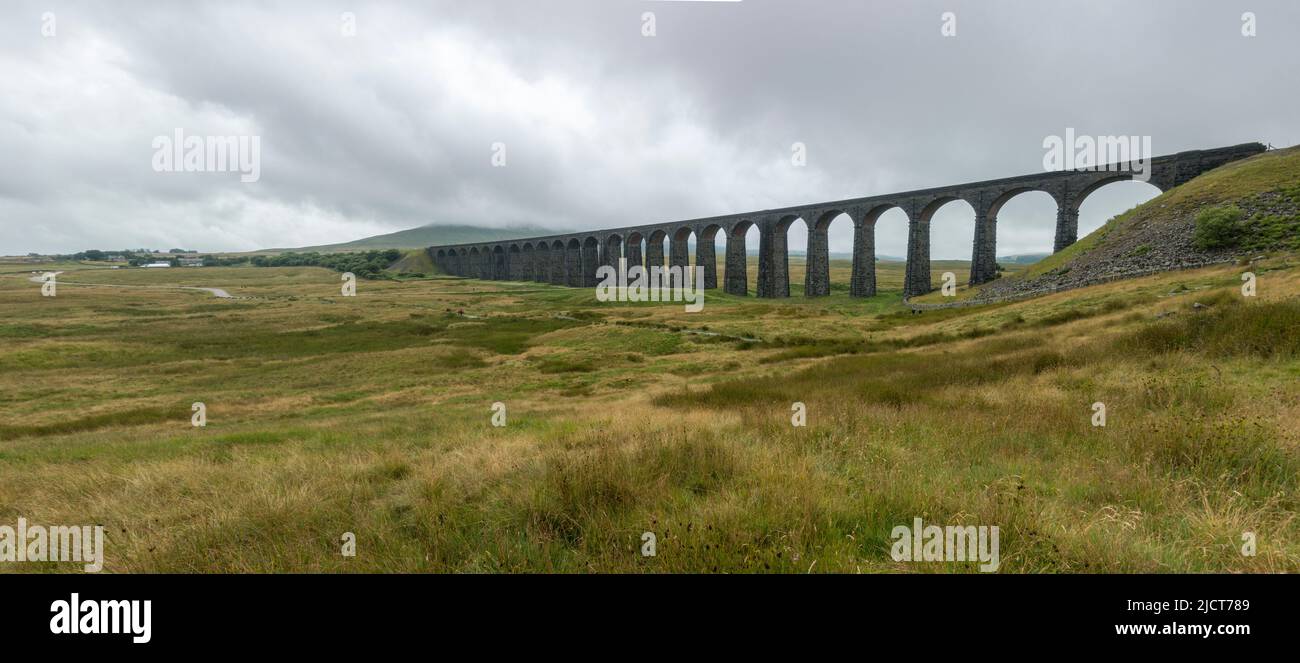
x=1160 y=234
x=414 y=262
x=430 y=235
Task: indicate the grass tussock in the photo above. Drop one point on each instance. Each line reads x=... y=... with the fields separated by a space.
x=1267 y=330
x=133 y=417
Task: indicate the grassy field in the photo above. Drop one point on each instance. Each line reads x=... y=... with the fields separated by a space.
x=372 y=415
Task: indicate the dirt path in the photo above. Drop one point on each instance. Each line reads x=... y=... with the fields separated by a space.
x=216 y=292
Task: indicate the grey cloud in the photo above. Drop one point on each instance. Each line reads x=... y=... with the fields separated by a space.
x=393 y=128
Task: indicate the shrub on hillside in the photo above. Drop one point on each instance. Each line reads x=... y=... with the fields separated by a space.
x=1217 y=228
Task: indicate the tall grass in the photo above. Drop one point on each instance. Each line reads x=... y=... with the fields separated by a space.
x=1267 y=330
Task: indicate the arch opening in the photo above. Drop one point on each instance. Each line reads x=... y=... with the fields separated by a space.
x=949 y=245
x=888 y=227
x=1025 y=221
x=1098 y=204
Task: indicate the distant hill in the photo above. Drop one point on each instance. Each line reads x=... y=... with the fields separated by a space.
x=430 y=235
x=1022 y=258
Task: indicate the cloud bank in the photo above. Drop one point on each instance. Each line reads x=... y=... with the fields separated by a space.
x=394 y=126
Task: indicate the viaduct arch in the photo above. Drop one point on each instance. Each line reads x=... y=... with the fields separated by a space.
x=573 y=258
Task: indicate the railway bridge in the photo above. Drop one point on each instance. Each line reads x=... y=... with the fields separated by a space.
x=572 y=259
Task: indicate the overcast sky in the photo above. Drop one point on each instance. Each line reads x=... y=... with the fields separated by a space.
x=394 y=126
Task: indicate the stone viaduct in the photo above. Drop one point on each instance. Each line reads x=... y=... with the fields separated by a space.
x=572 y=259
